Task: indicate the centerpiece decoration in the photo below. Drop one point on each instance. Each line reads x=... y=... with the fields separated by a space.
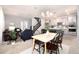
x=47 y=27
x=47 y=16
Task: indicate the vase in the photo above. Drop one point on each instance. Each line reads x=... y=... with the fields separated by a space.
x=47 y=32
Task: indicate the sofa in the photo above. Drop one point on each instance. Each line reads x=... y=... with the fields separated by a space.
x=26 y=34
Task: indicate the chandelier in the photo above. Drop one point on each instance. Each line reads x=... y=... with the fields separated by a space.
x=47 y=15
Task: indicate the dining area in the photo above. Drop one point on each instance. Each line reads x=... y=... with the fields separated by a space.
x=48 y=42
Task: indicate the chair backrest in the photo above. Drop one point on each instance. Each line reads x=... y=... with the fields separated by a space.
x=56 y=38
x=43 y=31
x=61 y=35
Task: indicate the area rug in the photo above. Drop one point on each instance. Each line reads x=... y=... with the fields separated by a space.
x=16 y=48
x=65 y=50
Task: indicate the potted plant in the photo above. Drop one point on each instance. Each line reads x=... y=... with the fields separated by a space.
x=13 y=36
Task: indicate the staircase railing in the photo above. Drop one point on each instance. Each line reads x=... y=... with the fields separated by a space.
x=37 y=25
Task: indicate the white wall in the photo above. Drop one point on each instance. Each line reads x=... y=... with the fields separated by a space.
x=17 y=13
x=1 y=23
x=78 y=23
x=16 y=20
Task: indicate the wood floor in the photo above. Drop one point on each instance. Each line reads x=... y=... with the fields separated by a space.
x=69 y=40
x=72 y=42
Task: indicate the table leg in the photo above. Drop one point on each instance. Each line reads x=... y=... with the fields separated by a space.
x=33 y=45
x=45 y=48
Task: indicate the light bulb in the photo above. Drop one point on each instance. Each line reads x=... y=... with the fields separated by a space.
x=42 y=14
x=51 y=14
x=47 y=12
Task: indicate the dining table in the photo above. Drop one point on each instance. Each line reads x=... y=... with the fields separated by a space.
x=45 y=37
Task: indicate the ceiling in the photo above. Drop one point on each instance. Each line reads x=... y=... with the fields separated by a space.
x=35 y=10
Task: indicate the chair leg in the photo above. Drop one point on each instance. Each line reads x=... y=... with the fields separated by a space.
x=43 y=50
x=61 y=46
x=39 y=48
x=51 y=52
x=58 y=51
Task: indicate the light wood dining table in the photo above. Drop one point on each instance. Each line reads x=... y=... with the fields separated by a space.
x=46 y=37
